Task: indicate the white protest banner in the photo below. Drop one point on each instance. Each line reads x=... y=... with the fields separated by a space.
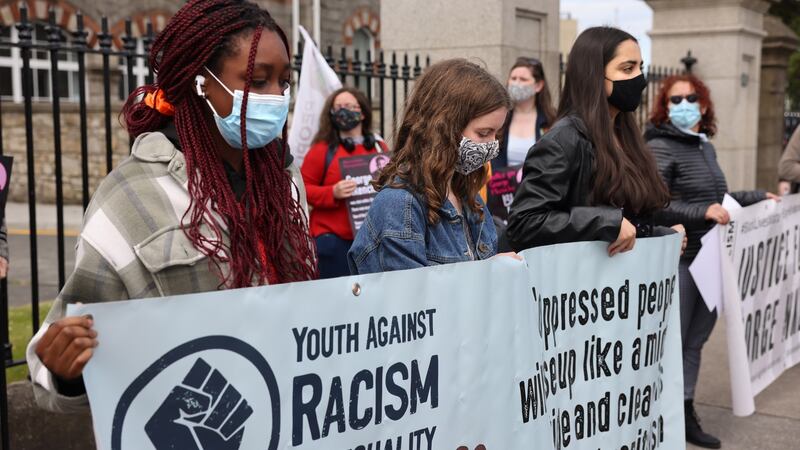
x=317 y=82
x=435 y=358
x=761 y=289
x=611 y=332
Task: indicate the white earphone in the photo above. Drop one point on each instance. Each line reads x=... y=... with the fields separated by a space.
x=199 y=82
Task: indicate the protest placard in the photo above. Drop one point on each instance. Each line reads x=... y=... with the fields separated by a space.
x=361 y=169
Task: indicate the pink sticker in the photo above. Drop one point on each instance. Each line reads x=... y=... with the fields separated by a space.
x=377 y=163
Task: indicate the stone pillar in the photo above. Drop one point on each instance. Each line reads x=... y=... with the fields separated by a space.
x=495 y=32
x=778 y=47
x=725 y=36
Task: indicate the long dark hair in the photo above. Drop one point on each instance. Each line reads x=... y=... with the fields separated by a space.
x=544 y=102
x=269 y=241
x=447 y=96
x=327 y=132
x=625 y=176
x=660 y=115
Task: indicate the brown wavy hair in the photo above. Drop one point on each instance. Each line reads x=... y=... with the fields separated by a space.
x=447 y=96
x=544 y=102
x=625 y=175
x=660 y=115
x=327 y=132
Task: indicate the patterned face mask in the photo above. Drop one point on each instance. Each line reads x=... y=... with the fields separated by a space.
x=474 y=155
x=520 y=93
x=345 y=119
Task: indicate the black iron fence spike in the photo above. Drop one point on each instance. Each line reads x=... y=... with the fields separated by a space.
x=54 y=36
x=79 y=35
x=24 y=27
x=104 y=36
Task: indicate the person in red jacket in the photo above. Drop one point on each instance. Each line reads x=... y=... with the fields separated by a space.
x=344 y=131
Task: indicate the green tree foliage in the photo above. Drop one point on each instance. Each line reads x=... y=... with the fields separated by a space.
x=789 y=12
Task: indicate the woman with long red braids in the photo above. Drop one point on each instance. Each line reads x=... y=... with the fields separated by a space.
x=206 y=200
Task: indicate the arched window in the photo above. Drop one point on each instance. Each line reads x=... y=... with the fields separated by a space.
x=363 y=41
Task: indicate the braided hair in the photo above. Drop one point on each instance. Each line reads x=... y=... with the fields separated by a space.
x=269 y=240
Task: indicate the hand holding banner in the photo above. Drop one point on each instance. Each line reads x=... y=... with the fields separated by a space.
x=494 y=353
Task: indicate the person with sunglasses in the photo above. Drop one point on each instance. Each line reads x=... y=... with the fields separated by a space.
x=680 y=127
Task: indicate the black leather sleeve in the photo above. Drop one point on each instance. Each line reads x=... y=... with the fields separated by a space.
x=747 y=198
x=542 y=213
x=692 y=216
x=662 y=231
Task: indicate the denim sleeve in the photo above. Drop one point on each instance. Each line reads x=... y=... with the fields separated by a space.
x=392 y=237
x=489 y=232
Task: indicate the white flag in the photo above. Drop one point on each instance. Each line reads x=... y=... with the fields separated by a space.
x=317 y=82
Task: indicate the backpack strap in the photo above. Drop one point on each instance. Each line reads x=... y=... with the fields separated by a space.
x=378 y=142
x=328 y=160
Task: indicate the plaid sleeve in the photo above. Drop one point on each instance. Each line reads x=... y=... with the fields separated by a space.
x=93 y=280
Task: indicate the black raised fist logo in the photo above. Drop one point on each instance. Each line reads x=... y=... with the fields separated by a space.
x=204 y=412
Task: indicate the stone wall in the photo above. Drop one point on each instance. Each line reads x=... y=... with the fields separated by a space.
x=495 y=32
x=35 y=429
x=778 y=46
x=492 y=33
x=14 y=144
x=15 y=141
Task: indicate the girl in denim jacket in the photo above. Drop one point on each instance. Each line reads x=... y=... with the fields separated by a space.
x=428 y=210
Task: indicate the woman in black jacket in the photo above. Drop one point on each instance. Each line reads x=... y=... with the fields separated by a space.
x=682 y=121
x=591 y=177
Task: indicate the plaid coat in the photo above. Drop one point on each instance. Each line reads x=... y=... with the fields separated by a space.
x=132 y=246
x=4 y=240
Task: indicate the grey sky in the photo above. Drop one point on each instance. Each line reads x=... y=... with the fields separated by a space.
x=633 y=16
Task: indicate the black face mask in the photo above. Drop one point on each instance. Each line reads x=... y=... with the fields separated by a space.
x=345 y=120
x=627 y=94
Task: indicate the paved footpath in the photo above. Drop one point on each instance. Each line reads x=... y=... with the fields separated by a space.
x=776 y=422
x=19 y=274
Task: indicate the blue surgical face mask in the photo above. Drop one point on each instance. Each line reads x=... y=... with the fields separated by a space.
x=266 y=116
x=685 y=115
